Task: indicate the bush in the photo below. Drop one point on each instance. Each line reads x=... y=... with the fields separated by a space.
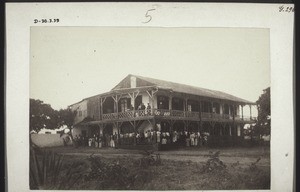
x=109 y=175
x=149 y=159
x=214 y=163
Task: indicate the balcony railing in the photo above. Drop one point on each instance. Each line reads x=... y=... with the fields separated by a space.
x=177 y=113
x=162 y=112
x=192 y=114
x=125 y=114
x=171 y=113
x=110 y=116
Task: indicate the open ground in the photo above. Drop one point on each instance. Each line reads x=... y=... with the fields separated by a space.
x=181 y=169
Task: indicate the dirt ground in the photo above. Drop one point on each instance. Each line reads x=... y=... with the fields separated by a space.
x=181 y=169
x=244 y=156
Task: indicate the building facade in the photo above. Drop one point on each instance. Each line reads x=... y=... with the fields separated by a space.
x=141 y=105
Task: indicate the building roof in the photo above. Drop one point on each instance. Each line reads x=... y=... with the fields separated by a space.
x=177 y=87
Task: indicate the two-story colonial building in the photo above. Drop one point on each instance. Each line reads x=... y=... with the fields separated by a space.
x=139 y=104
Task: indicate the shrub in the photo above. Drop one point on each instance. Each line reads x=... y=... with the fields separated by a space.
x=149 y=159
x=109 y=175
x=214 y=163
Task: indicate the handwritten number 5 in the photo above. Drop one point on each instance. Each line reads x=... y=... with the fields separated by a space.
x=148 y=16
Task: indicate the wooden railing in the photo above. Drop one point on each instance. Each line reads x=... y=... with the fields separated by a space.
x=162 y=112
x=110 y=116
x=171 y=113
x=177 y=113
x=192 y=114
x=126 y=114
x=206 y=115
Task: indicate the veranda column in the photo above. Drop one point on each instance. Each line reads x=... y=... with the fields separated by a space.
x=221 y=108
x=184 y=104
x=250 y=111
x=242 y=112
x=170 y=102
x=211 y=110
x=200 y=110
x=99 y=108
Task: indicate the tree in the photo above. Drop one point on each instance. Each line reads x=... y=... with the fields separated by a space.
x=263 y=124
x=42 y=116
x=67 y=117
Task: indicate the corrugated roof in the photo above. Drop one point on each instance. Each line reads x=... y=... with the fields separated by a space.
x=177 y=87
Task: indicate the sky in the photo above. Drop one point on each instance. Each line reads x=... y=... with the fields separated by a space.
x=68 y=64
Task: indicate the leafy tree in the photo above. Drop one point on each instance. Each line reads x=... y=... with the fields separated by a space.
x=67 y=117
x=42 y=116
x=263 y=124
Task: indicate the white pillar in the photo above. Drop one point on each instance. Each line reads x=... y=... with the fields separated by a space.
x=221 y=108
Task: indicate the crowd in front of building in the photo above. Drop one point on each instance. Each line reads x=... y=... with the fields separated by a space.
x=182 y=138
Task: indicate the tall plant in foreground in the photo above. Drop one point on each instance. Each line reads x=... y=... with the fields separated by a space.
x=46 y=171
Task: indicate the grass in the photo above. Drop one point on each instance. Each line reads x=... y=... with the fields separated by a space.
x=171 y=173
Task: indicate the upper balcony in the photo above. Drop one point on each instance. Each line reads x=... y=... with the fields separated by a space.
x=172 y=114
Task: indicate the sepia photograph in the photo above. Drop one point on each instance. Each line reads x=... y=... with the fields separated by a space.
x=149 y=97
x=135 y=108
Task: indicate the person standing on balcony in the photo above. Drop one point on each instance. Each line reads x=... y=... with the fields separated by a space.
x=160 y=105
x=148 y=109
x=143 y=107
x=139 y=109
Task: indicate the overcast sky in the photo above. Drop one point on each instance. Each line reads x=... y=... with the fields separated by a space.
x=68 y=64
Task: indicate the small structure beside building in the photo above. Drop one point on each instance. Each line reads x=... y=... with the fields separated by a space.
x=51 y=137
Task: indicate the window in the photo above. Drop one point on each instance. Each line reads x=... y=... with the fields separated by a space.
x=80 y=113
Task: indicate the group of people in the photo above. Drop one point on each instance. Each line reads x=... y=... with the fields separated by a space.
x=147 y=109
x=97 y=140
x=182 y=138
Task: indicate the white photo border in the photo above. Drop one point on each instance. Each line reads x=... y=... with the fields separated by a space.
x=20 y=17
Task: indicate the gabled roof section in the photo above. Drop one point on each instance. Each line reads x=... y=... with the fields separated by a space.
x=181 y=88
x=126 y=83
